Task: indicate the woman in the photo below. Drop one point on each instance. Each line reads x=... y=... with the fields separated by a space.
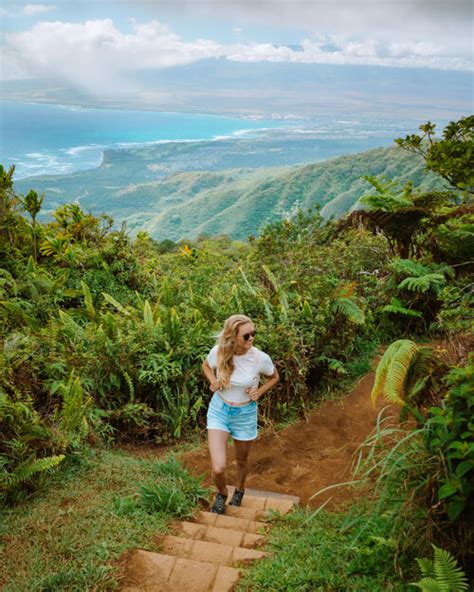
x=233 y=368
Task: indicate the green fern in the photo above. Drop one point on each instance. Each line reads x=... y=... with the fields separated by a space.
x=396 y=307
x=72 y=423
x=148 y=315
x=408 y=267
x=429 y=281
x=116 y=303
x=392 y=371
x=349 y=309
x=91 y=312
x=441 y=575
x=24 y=471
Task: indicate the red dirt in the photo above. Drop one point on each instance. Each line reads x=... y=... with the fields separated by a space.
x=318 y=452
x=309 y=455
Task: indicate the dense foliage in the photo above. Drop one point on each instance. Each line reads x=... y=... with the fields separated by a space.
x=103 y=336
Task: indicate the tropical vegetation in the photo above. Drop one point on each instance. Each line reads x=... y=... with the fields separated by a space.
x=103 y=337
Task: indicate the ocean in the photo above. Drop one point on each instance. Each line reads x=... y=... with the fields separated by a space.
x=57 y=139
x=41 y=139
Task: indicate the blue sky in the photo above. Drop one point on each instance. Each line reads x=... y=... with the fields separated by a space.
x=101 y=48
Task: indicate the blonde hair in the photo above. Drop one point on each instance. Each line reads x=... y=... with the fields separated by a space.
x=226 y=347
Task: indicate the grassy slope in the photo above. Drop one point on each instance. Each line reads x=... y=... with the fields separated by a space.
x=70 y=536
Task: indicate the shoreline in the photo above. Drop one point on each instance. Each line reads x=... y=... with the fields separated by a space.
x=166 y=111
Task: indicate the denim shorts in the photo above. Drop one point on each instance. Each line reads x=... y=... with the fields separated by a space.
x=240 y=422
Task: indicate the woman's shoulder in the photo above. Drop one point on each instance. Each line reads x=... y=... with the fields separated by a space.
x=260 y=353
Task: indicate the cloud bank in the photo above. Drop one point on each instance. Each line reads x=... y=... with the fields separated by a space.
x=95 y=55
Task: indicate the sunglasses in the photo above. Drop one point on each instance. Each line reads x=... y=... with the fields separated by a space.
x=246 y=336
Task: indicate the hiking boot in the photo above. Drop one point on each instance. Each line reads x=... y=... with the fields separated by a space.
x=218 y=507
x=236 y=498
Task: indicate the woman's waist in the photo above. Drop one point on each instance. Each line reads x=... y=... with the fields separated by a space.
x=234 y=396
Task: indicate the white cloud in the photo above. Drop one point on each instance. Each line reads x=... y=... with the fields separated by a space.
x=340 y=51
x=448 y=22
x=32 y=9
x=97 y=56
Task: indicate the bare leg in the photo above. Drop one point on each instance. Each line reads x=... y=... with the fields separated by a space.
x=217 y=440
x=242 y=450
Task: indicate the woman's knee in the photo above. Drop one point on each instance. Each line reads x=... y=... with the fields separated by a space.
x=242 y=461
x=218 y=468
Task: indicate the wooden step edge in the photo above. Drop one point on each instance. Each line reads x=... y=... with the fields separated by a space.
x=223 y=521
x=262 y=493
x=168 y=573
x=214 y=534
x=205 y=551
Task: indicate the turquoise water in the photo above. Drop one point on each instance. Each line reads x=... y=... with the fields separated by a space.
x=57 y=139
x=54 y=139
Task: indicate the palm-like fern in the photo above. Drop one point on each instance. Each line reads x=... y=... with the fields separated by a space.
x=392 y=371
x=441 y=575
x=349 y=309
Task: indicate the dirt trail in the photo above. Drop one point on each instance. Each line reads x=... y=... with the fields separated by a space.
x=309 y=455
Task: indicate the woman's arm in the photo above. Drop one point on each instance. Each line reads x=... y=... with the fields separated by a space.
x=256 y=393
x=211 y=377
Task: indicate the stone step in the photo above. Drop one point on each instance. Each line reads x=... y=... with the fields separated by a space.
x=221 y=554
x=231 y=522
x=225 y=536
x=165 y=573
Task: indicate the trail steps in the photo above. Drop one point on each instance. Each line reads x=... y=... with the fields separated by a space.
x=208 y=555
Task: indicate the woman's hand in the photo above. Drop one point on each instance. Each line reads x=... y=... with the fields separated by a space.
x=253 y=393
x=214 y=385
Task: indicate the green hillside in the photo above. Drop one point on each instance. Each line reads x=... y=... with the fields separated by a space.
x=239 y=202
x=234 y=201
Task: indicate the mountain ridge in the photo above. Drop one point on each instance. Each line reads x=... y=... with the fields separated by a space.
x=177 y=205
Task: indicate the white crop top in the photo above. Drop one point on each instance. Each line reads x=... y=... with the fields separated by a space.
x=247 y=368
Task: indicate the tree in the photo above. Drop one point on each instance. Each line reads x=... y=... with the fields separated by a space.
x=32 y=204
x=452 y=157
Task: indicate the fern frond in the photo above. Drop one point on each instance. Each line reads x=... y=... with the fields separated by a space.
x=426 y=567
x=447 y=571
x=429 y=585
x=116 y=303
x=69 y=324
x=27 y=469
x=349 y=309
x=392 y=371
x=434 y=281
x=148 y=315
x=396 y=307
x=91 y=312
x=394 y=388
x=346 y=290
x=408 y=267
